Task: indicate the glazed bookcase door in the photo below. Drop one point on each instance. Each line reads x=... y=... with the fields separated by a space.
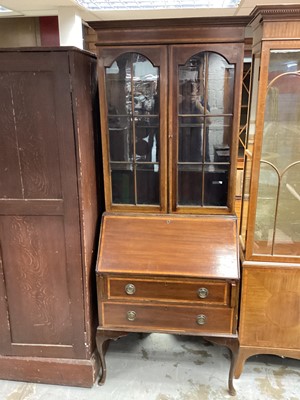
x=133 y=125
x=275 y=231
x=204 y=99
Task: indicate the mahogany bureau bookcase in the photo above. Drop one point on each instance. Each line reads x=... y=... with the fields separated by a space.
x=48 y=215
x=168 y=252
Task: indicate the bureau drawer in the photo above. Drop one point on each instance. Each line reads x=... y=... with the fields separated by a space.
x=160 y=318
x=202 y=291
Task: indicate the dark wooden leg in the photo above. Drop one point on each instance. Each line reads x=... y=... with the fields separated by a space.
x=102 y=338
x=233 y=345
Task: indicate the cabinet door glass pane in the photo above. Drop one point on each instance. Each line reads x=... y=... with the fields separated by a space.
x=281 y=152
x=220 y=85
x=132 y=91
x=266 y=209
x=120 y=138
x=147 y=139
x=249 y=144
x=190 y=139
x=217 y=139
x=190 y=185
x=205 y=107
x=147 y=184
x=287 y=235
x=122 y=183
x=215 y=185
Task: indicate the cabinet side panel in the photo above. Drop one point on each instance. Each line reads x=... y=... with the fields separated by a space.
x=86 y=122
x=270 y=310
x=37 y=289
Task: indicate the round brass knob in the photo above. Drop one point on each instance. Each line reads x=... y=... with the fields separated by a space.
x=131 y=315
x=202 y=293
x=130 y=288
x=201 y=319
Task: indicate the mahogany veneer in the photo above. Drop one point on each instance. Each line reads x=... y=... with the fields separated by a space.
x=178 y=276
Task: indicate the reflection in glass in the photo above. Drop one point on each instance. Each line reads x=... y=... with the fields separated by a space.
x=218 y=139
x=205 y=107
x=145 y=77
x=215 y=144
x=287 y=236
x=191 y=89
x=120 y=139
x=147 y=184
x=190 y=185
x=266 y=208
x=132 y=91
x=147 y=140
x=281 y=142
x=216 y=185
x=190 y=146
x=122 y=181
x=278 y=211
x=132 y=86
x=220 y=85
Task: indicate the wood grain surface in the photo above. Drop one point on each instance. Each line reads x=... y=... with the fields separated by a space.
x=167 y=318
x=48 y=209
x=204 y=247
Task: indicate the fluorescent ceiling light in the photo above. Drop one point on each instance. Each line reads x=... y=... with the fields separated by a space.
x=4 y=10
x=104 y=5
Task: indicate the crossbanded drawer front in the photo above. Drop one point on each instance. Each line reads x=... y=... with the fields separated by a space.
x=202 y=291
x=136 y=316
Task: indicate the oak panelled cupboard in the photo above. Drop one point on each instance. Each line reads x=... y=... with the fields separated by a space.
x=48 y=215
x=168 y=252
x=270 y=228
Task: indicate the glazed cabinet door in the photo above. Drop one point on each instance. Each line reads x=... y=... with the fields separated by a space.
x=205 y=82
x=41 y=301
x=133 y=96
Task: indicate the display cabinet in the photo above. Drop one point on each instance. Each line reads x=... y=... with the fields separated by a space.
x=170 y=107
x=169 y=116
x=270 y=226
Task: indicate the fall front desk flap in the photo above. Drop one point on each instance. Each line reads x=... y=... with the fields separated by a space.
x=200 y=246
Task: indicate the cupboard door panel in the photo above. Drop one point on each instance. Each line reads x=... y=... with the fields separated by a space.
x=31 y=140
x=10 y=179
x=39 y=210
x=34 y=260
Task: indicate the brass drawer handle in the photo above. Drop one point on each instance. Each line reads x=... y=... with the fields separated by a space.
x=201 y=319
x=131 y=315
x=130 y=288
x=202 y=293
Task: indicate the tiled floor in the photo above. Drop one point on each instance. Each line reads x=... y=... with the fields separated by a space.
x=167 y=367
